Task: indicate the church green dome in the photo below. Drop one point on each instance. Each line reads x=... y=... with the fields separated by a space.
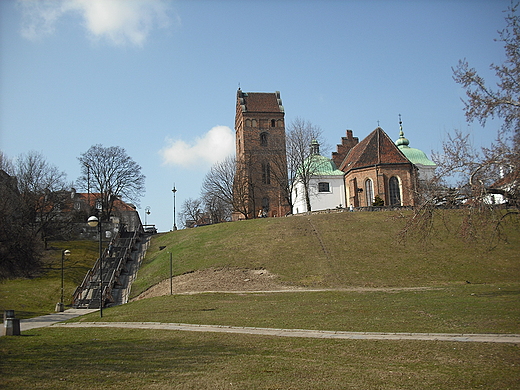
x=324 y=166
x=416 y=156
x=320 y=165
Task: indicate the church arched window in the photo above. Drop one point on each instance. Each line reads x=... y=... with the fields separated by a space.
x=369 y=192
x=263 y=139
x=395 y=191
x=273 y=123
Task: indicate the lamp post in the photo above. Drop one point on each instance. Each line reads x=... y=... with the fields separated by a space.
x=174 y=191
x=93 y=222
x=59 y=306
x=171 y=274
x=146 y=213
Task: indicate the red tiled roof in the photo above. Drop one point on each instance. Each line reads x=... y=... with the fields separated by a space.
x=507 y=181
x=118 y=203
x=261 y=101
x=377 y=148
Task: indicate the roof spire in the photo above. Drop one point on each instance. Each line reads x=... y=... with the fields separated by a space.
x=402 y=140
x=315 y=147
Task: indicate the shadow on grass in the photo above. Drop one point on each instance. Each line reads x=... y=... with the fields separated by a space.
x=102 y=357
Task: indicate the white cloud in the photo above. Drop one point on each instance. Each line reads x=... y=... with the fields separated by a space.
x=214 y=146
x=120 y=22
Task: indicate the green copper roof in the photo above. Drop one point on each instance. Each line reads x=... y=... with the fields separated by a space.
x=324 y=166
x=416 y=156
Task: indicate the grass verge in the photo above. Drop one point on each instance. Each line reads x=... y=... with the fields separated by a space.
x=454 y=309
x=141 y=359
x=39 y=295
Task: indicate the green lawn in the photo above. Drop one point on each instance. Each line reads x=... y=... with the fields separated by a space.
x=441 y=284
x=335 y=251
x=39 y=295
x=57 y=358
x=454 y=309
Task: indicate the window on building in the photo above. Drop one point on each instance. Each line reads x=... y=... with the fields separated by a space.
x=273 y=123
x=263 y=139
x=266 y=173
x=323 y=187
x=369 y=192
x=395 y=191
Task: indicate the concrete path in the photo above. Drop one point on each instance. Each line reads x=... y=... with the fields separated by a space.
x=50 y=319
x=481 y=338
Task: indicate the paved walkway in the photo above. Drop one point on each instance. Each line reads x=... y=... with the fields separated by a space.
x=56 y=320
x=50 y=319
x=482 y=338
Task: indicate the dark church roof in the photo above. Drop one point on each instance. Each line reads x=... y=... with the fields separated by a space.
x=260 y=101
x=376 y=149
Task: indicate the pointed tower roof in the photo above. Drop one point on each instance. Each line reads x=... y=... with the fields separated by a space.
x=376 y=149
x=416 y=156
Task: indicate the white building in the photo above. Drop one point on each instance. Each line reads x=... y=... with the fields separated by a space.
x=326 y=186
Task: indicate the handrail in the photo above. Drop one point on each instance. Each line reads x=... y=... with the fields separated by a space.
x=112 y=271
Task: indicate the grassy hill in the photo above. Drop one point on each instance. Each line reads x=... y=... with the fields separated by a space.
x=335 y=250
x=39 y=295
x=330 y=251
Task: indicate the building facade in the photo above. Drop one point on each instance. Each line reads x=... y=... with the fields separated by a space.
x=375 y=167
x=326 y=185
x=261 y=162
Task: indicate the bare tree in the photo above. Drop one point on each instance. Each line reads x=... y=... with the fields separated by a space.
x=44 y=193
x=470 y=177
x=6 y=164
x=217 y=210
x=503 y=102
x=191 y=210
x=300 y=167
x=110 y=172
x=20 y=249
x=221 y=183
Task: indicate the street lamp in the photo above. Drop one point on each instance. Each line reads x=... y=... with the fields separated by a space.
x=174 y=191
x=146 y=213
x=93 y=222
x=59 y=306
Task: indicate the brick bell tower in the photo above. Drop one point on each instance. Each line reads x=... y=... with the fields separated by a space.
x=261 y=175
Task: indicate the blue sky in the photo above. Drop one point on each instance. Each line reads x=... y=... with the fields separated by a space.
x=159 y=78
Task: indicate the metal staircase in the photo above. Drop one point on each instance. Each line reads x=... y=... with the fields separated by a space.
x=116 y=261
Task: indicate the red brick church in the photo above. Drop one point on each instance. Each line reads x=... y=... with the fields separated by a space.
x=376 y=167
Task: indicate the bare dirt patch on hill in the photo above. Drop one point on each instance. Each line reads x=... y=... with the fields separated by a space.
x=225 y=279
x=237 y=280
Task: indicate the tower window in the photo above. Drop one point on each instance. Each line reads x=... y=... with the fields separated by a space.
x=273 y=123
x=263 y=139
x=266 y=173
x=395 y=191
x=323 y=187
